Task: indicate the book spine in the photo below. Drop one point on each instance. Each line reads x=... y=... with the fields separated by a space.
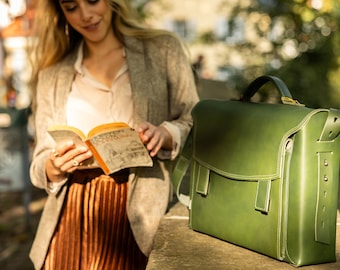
x=98 y=157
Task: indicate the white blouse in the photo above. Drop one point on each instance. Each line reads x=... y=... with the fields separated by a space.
x=92 y=103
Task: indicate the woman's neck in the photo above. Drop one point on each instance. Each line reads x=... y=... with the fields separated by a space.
x=101 y=49
x=103 y=60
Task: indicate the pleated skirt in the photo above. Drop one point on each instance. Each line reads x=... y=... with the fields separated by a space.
x=94 y=232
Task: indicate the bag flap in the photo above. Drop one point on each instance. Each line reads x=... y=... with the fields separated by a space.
x=243 y=140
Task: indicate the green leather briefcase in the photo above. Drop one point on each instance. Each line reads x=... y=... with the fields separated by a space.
x=265 y=176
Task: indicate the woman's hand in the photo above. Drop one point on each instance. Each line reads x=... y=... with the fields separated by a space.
x=64 y=159
x=154 y=137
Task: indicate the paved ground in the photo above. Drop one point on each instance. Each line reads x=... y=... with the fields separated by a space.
x=16 y=230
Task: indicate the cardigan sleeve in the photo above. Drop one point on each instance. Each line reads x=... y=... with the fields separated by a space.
x=182 y=88
x=43 y=117
x=176 y=139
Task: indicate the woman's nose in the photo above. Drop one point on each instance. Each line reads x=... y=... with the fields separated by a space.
x=85 y=13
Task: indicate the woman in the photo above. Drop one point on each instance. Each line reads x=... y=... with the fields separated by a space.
x=94 y=64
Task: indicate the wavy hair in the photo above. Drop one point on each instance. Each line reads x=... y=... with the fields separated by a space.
x=55 y=38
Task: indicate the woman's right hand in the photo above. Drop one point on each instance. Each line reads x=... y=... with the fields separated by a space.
x=64 y=159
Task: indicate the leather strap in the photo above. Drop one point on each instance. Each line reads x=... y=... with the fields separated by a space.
x=255 y=85
x=263 y=196
x=324 y=199
x=332 y=126
x=180 y=170
x=326 y=179
x=203 y=178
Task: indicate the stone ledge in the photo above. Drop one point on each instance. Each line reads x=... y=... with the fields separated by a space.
x=177 y=247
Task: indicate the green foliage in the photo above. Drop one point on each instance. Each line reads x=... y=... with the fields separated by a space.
x=207 y=37
x=305 y=47
x=307 y=76
x=140 y=7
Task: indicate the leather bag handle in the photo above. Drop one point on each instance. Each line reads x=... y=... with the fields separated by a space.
x=254 y=86
x=181 y=167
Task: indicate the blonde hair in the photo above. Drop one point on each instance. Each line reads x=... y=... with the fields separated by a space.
x=55 y=38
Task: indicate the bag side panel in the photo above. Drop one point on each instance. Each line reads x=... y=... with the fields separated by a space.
x=305 y=189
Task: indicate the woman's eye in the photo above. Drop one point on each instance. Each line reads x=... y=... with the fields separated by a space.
x=70 y=8
x=93 y=1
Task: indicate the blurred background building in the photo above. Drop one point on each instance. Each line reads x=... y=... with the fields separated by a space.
x=16 y=20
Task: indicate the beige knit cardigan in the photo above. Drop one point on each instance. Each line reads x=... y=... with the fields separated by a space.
x=163 y=89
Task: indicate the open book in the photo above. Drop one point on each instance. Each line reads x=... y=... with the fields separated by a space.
x=115 y=146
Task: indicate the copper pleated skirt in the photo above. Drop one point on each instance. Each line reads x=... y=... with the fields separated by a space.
x=94 y=232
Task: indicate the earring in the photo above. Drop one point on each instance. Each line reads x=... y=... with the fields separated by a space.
x=66 y=29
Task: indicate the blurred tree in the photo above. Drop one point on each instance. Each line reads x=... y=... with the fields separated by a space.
x=141 y=7
x=304 y=46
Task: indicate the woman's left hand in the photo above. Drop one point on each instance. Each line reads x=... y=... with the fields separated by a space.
x=154 y=137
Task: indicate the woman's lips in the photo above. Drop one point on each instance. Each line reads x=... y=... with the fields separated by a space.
x=91 y=27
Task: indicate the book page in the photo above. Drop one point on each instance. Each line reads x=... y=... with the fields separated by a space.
x=60 y=135
x=106 y=128
x=121 y=148
x=64 y=135
x=64 y=131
